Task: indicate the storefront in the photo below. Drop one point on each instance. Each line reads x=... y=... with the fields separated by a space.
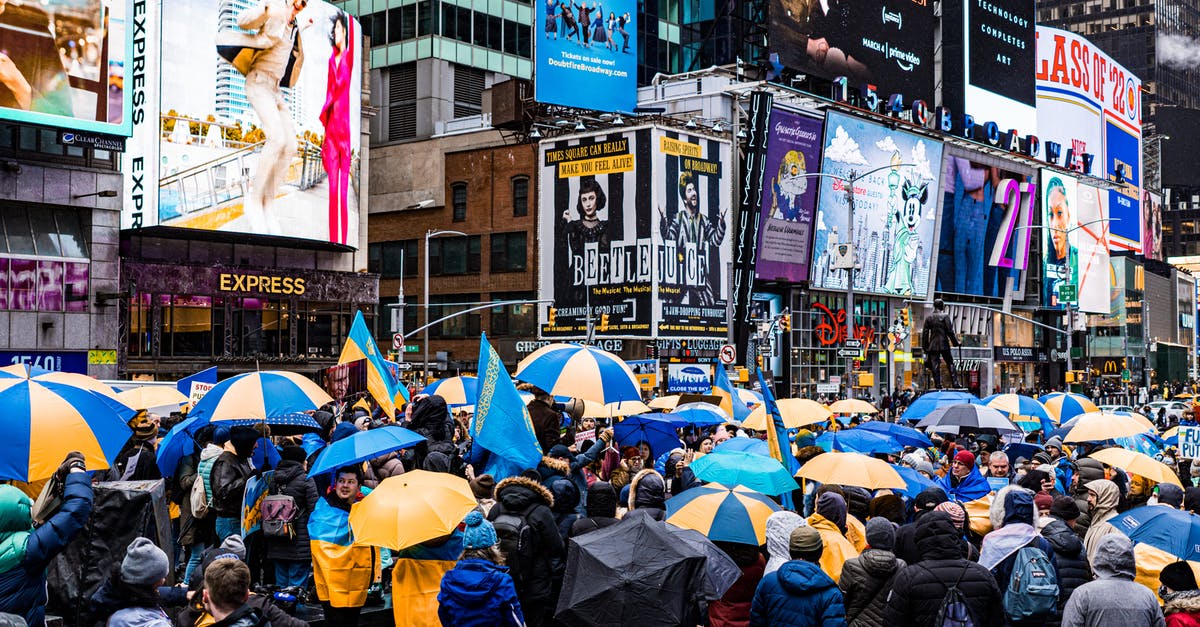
x=820 y=331
x=1014 y=367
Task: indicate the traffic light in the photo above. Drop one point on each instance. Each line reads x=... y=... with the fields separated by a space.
x=550 y=318
x=604 y=322
x=904 y=317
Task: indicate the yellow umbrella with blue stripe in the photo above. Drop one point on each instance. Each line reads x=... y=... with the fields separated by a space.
x=580 y=371
x=260 y=396
x=455 y=390
x=1064 y=406
x=723 y=514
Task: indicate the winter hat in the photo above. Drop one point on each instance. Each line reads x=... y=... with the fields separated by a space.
x=888 y=506
x=805 y=539
x=929 y=498
x=143 y=427
x=342 y=431
x=293 y=454
x=1056 y=442
x=1043 y=500
x=1065 y=508
x=478 y=533
x=965 y=457
x=925 y=467
x=881 y=534
x=559 y=451
x=1170 y=494
x=957 y=515
x=832 y=507
x=1178 y=576
x=145 y=564
x=220 y=435
x=484 y=487
x=1041 y=457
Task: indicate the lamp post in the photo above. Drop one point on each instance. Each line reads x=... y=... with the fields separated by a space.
x=431 y=233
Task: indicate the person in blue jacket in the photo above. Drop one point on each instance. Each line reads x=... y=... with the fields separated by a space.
x=26 y=552
x=478 y=591
x=799 y=593
x=964 y=483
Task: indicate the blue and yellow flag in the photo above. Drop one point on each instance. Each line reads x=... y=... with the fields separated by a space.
x=501 y=424
x=777 y=438
x=383 y=387
x=729 y=398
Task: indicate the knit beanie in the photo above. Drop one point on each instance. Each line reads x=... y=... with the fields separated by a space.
x=293 y=454
x=478 y=533
x=881 y=534
x=1170 y=494
x=966 y=457
x=956 y=512
x=805 y=539
x=483 y=487
x=1043 y=500
x=1056 y=442
x=145 y=564
x=929 y=498
x=1178 y=576
x=1065 y=508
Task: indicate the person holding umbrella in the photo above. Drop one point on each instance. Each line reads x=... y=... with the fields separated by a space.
x=478 y=591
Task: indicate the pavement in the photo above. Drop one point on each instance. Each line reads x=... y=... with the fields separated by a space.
x=372 y=615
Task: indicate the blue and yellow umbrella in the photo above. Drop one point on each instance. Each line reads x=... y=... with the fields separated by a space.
x=723 y=514
x=1025 y=411
x=580 y=371
x=1064 y=406
x=43 y=421
x=456 y=391
x=260 y=396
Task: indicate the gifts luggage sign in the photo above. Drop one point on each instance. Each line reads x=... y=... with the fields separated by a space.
x=1189 y=442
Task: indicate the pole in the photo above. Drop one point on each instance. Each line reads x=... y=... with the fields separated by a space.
x=400 y=308
x=425 y=295
x=850 y=284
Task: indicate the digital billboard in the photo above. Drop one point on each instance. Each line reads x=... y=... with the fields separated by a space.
x=586 y=55
x=893 y=177
x=789 y=196
x=63 y=63
x=886 y=43
x=257 y=125
x=1093 y=228
x=1152 y=238
x=1060 y=238
x=981 y=245
x=1123 y=153
x=1075 y=239
x=994 y=47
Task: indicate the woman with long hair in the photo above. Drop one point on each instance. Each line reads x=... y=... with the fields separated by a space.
x=337 y=150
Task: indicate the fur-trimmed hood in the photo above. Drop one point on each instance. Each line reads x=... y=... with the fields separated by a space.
x=561 y=466
x=647 y=492
x=998 y=512
x=1183 y=601
x=518 y=493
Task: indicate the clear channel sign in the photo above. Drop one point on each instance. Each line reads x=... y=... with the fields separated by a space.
x=1189 y=442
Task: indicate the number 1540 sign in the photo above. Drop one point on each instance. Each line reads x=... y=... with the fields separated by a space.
x=1189 y=442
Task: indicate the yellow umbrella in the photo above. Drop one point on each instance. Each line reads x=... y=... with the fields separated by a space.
x=147 y=396
x=592 y=409
x=411 y=508
x=1100 y=425
x=1138 y=464
x=851 y=469
x=664 y=402
x=853 y=406
x=67 y=378
x=796 y=412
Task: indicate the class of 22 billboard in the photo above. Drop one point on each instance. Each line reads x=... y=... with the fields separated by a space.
x=586 y=54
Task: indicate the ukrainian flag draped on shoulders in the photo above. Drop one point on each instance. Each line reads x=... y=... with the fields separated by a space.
x=974 y=493
x=501 y=424
x=729 y=399
x=383 y=385
x=777 y=439
x=342 y=571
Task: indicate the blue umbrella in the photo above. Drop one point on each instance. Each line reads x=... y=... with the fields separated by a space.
x=700 y=414
x=926 y=403
x=580 y=371
x=901 y=433
x=858 y=441
x=178 y=442
x=311 y=443
x=1143 y=443
x=733 y=468
x=915 y=481
x=745 y=445
x=362 y=446
x=657 y=430
x=1022 y=449
x=1175 y=531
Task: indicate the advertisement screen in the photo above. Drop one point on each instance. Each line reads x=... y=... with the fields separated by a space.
x=62 y=64
x=886 y=43
x=693 y=222
x=689 y=378
x=1122 y=151
x=1152 y=225
x=586 y=55
x=998 y=61
x=893 y=178
x=1060 y=238
x=789 y=196
x=1093 y=230
x=596 y=228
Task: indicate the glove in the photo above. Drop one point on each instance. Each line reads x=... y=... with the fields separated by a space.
x=74 y=459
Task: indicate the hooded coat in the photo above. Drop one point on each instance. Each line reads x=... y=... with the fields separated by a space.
x=906 y=535
x=566 y=500
x=1069 y=556
x=1107 y=498
x=1013 y=516
x=648 y=495
x=866 y=582
x=290 y=480
x=798 y=594
x=918 y=589
x=601 y=510
x=1113 y=598
x=479 y=593
x=779 y=533
x=520 y=496
x=1182 y=609
x=831 y=510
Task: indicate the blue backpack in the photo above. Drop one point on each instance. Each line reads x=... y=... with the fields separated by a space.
x=1032 y=587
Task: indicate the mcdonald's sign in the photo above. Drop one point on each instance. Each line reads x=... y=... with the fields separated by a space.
x=1109 y=366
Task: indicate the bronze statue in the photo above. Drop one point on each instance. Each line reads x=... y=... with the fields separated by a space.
x=937 y=336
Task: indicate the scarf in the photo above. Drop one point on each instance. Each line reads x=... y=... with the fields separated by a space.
x=1007 y=540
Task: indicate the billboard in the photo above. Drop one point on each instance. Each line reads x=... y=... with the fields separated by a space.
x=1152 y=238
x=789 y=196
x=981 y=246
x=893 y=177
x=689 y=378
x=586 y=56
x=63 y=62
x=885 y=43
x=256 y=127
x=994 y=79
x=1076 y=242
x=1060 y=239
x=1094 y=227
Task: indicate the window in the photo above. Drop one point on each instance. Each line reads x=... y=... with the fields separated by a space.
x=454 y=255
x=427 y=20
x=508 y=252
x=515 y=320
x=520 y=196
x=466 y=325
x=390 y=258
x=458 y=200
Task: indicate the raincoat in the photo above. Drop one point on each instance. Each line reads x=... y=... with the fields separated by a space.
x=342 y=571
x=1107 y=498
x=779 y=533
x=1113 y=598
x=479 y=593
x=837 y=548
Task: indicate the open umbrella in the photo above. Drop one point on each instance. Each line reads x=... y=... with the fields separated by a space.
x=1022 y=449
x=723 y=514
x=745 y=445
x=664 y=402
x=914 y=481
x=720 y=571
x=657 y=430
x=260 y=395
x=1147 y=443
x=363 y=446
x=178 y=442
x=903 y=434
x=592 y=409
x=1027 y=412
x=966 y=417
x=1175 y=531
x=930 y=401
x=734 y=468
x=579 y=371
x=751 y=398
x=852 y=469
x=796 y=413
x=147 y=396
x=408 y=509
x=1066 y=405
x=1138 y=464
x=852 y=406
x=634 y=572
x=455 y=390
x=1099 y=426
x=700 y=414
x=858 y=441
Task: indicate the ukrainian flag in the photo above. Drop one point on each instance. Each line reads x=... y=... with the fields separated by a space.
x=777 y=439
x=501 y=424
x=383 y=387
x=729 y=399
x=342 y=571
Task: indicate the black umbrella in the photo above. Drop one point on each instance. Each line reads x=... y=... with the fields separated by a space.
x=968 y=417
x=720 y=571
x=634 y=572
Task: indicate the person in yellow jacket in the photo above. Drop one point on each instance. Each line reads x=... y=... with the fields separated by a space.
x=342 y=571
x=829 y=520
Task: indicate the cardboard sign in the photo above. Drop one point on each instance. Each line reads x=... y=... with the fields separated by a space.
x=1189 y=442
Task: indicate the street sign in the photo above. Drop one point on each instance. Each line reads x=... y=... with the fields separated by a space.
x=853 y=343
x=827 y=388
x=728 y=354
x=404 y=365
x=1126 y=375
x=1189 y=442
x=835 y=379
x=397 y=341
x=412 y=348
x=1067 y=292
x=855 y=353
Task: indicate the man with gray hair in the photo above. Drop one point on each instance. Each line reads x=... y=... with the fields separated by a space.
x=998 y=467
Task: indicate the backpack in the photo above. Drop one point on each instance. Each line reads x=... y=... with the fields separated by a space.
x=201 y=496
x=1032 y=586
x=516 y=542
x=278 y=513
x=954 y=611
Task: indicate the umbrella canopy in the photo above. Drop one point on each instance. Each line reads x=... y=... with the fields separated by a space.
x=634 y=572
x=734 y=468
x=903 y=434
x=408 y=509
x=720 y=571
x=147 y=396
x=42 y=421
x=657 y=430
x=796 y=412
x=363 y=446
x=1098 y=426
x=178 y=442
x=592 y=409
x=926 y=403
x=664 y=402
x=701 y=414
x=852 y=469
x=915 y=481
x=1066 y=405
x=1175 y=531
x=260 y=395
x=77 y=380
x=455 y=390
x=1022 y=449
x=1147 y=443
x=1147 y=426
x=1026 y=411
x=971 y=417
x=745 y=445
x=858 y=441
x=1138 y=464
x=581 y=372
x=723 y=514
x=852 y=406
x=751 y=398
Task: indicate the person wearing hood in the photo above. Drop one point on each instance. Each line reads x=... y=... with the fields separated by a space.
x=779 y=533
x=918 y=589
x=1013 y=518
x=530 y=501
x=129 y=598
x=292 y=556
x=547 y=421
x=195 y=534
x=799 y=593
x=1103 y=497
x=478 y=591
x=829 y=520
x=1069 y=556
x=964 y=482
x=342 y=570
x=431 y=419
x=601 y=510
x=229 y=474
x=867 y=579
x=1181 y=599
x=647 y=495
x=566 y=501
x=1113 y=598
x=1086 y=471
x=906 y=535
x=559 y=463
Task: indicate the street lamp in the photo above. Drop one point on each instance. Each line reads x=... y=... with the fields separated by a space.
x=431 y=233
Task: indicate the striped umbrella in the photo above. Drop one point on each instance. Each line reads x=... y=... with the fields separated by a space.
x=592 y=409
x=664 y=402
x=25 y=371
x=701 y=414
x=723 y=514
x=1027 y=412
x=455 y=390
x=1099 y=426
x=579 y=371
x=260 y=395
x=147 y=396
x=1065 y=405
x=43 y=421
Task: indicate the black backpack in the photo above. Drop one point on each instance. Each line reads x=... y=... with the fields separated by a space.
x=955 y=612
x=516 y=542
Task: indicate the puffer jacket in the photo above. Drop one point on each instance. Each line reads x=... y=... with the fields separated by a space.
x=918 y=589
x=798 y=594
x=1107 y=498
x=1182 y=609
x=837 y=548
x=1113 y=598
x=139 y=617
x=601 y=510
x=381 y=468
x=290 y=480
x=866 y=582
x=1073 y=569
x=521 y=496
x=479 y=593
x=647 y=495
x=229 y=475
